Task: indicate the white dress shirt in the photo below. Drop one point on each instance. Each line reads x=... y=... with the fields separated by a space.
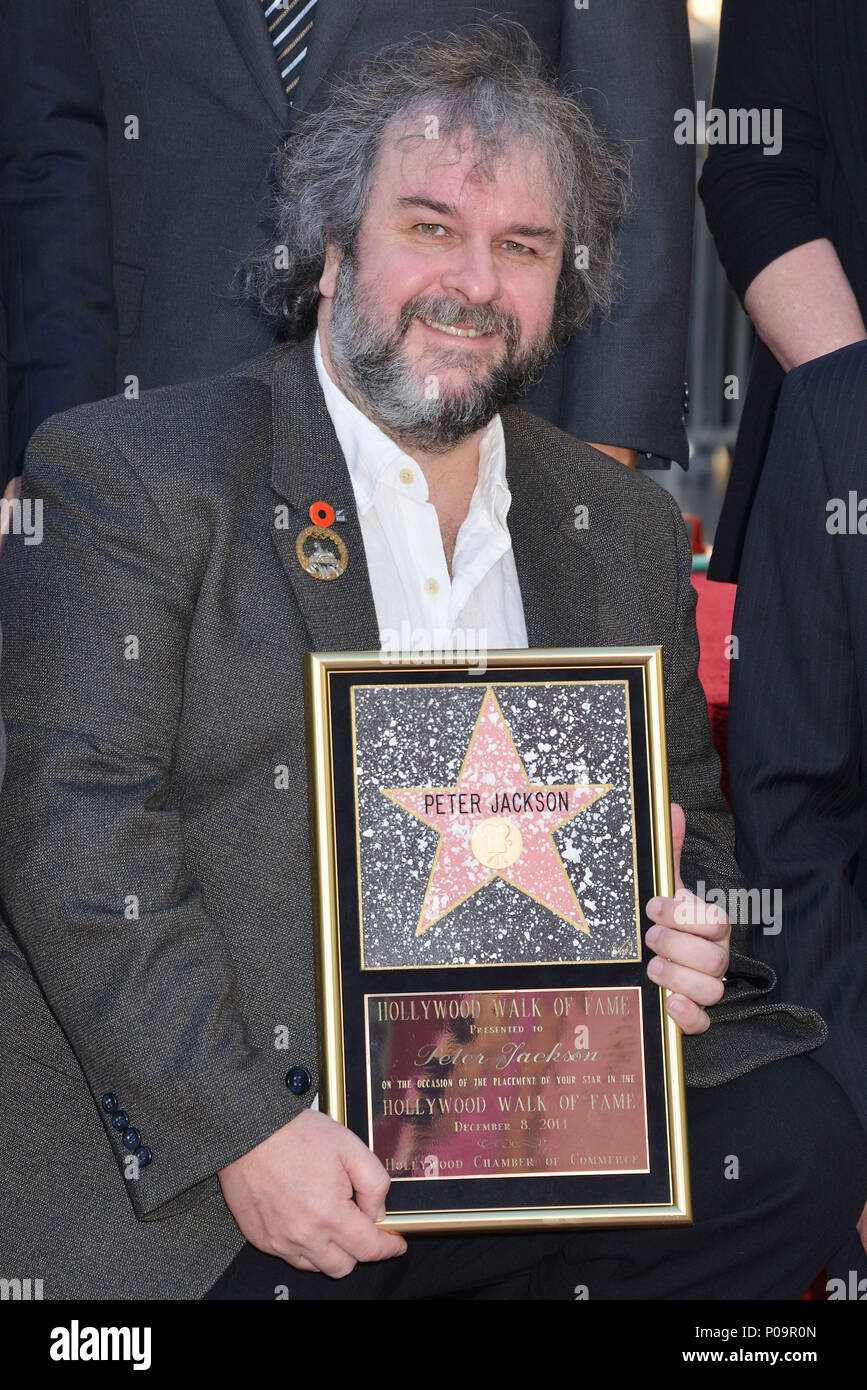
x=418 y=605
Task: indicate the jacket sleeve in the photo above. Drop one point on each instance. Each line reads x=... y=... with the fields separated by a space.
x=693 y=764
x=708 y=862
x=93 y=870
x=764 y=1028
x=796 y=753
x=55 y=206
x=759 y=205
x=623 y=380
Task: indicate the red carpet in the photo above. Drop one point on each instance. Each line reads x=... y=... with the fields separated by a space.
x=714 y=622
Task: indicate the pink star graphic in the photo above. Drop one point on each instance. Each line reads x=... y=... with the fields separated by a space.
x=483 y=837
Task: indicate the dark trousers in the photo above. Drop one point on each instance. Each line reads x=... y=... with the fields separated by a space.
x=801 y=1163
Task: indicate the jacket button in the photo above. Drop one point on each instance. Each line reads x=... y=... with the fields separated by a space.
x=109 y=1103
x=298 y=1080
x=120 y=1120
x=144 y=1156
x=131 y=1139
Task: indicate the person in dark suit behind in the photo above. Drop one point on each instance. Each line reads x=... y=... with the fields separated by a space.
x=124 y=264
x=798 y=716
x=192 y=1158
x=790 y=224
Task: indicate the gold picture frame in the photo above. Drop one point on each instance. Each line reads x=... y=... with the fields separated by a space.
x=654 y=1191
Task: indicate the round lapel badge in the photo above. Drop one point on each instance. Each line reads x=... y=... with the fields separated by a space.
x=321 y=552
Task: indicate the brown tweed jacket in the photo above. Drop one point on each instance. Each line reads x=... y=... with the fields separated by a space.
x=154 y=872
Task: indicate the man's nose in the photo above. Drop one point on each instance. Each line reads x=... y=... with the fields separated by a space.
x=471 y=274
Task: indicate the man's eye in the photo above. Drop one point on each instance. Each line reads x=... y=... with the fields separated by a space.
x=519 y=247
x=430 y=228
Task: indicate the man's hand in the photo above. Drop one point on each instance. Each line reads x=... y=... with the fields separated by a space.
x=691 y=945
x=310 y=1194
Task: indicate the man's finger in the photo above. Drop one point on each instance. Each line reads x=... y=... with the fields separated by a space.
x=334 y=1261
x=356 y=1234
x=709 y=957
x=702 y=989
x=369 y=1179
x=687 y=1015
x=297 y=1260
x=687 y=913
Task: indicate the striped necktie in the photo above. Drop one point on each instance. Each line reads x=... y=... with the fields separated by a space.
x=289 y=22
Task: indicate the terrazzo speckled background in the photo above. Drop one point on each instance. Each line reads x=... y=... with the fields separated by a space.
x=564 y=732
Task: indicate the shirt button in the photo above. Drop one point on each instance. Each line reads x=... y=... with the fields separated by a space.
x=406 y=475
x=431 y=586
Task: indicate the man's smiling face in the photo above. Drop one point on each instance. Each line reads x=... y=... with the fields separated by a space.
x=445 y=308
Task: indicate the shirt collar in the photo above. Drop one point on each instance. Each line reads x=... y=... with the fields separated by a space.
x=368 y=451
x=374 y=459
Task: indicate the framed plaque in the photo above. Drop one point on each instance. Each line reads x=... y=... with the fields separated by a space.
x=484 y=838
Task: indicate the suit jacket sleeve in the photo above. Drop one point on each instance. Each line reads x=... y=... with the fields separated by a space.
x=758 y=205
x=623 y=380
x=759 y=1028
x=708 y=859
x=796 y=753
x=55 y=200
x=92 y=859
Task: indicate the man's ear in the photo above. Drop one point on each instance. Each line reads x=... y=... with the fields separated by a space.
x=328 y=278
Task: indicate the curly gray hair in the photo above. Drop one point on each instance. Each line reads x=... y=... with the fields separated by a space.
x=487 y=81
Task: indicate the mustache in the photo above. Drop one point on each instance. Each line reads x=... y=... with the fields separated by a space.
x=484 y=318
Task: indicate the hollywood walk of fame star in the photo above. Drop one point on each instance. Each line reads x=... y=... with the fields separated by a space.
x=477 y=845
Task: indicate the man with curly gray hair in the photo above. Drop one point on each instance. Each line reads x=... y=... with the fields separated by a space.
x=445 y=118
x=486 y=84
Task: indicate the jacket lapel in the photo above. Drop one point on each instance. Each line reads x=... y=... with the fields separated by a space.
x=557 y=571
x=555 y=563
x=245 y=20
x=308 y=466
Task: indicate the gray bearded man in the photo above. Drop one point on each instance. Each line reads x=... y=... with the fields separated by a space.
x=155 y=869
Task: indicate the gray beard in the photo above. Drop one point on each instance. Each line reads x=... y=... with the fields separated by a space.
x=373 y=371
